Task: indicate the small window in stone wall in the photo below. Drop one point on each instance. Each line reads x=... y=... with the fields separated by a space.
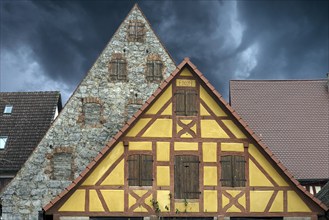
x=62 y=166
x=92 y=112
x=118 y=68
x=154 y=68
x=136 y=31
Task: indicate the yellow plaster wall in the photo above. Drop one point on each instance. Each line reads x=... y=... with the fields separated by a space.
x=295 y=203
x=210 y=176
x=186 y=135
x=114 y=199
x=138 y=127
x=181 y=146
x=267 y=166
x=131 y=200
x=211 y=129
x=259 y=200
x=76 y=202
x=210 y=201
x=178 y=128
x=116 y=177
x=163 y=199
x=209 y=152
x=140 y=192
x=95 y=204
x=185 y=72
x=100 y=170
x=191 y=206
x=242 y=200
x=257 y=177
x=186 y=121
x=226 y=200
x=211 y=103
x=277 y=205
x=163 y=176
x=168 y=110
x=233 y=208
x=147 y=200
x=160 y=102
x=203 y=111
x=160 y=128
x=142 y=145
x=163 y=151
x=234 y=147
x=234 y=129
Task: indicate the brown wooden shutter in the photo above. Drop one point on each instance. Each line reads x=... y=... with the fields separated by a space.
x=131 y=30
x=226 y=163
x=146 y=171
x=180 y=102
x=113 y=68
x=187 y=177
x=150 y=70
x=133 y=170
x=139 y=31
x=239 y=179
x=158 y=70
x=121 y=72
x=191 y=102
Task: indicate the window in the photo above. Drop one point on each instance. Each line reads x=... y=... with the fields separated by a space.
x=140 y=170
x=136 y=31
x=186 y=102
x=92 y=113
x=8 y=109
x=3 y=140
x=62 y=166
x=118 y=68
x=154 y=70
x=187 y=177
x=233 y=171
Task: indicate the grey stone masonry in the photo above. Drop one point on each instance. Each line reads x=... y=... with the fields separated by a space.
x=94 y=113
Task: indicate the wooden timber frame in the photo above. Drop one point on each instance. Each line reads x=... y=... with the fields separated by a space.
x=233 y=195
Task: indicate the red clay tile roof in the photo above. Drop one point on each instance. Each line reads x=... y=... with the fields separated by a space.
x=129 y=124
x=32 y=114
x=292 y=117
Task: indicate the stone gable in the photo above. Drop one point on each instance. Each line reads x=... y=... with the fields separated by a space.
x=81 y=131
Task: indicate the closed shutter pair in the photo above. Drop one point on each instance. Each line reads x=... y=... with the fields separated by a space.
x=233 y=171
x=186 y=102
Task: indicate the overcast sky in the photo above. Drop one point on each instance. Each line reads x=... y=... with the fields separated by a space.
x=50 y=45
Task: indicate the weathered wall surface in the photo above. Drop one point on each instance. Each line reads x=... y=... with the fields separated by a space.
x=77 y=134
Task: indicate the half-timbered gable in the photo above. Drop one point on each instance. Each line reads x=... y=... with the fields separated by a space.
x=185 y=153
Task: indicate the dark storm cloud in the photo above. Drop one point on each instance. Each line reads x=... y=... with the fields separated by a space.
x=60 y=40
x=293 y=37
